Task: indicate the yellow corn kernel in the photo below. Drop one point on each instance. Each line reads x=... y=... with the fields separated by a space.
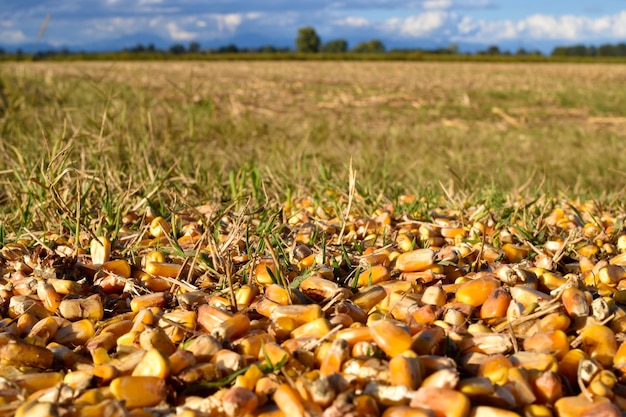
x=232 y=328
x=334 y=358
x=100 y=250
x=277 y=294
x=600 y=343
x=581 y=405
x=537 y=410
x=273 y=353
x=515 y=253
x=373 y=275
x=48 y=296
x=575 y=302
x=548 y=387
x=180 y=360
x=538 y=361
x=44 y=329
x=392 y=339
x=405 y=242
x=146 y=301
x=368 y=297
x=476 y=291
x=443 y=401
x=406 y=411
x=496 y=368
x=496 y=304
x=355 y=335
x=291 y=403
x=100 y=356
x=118 y=267
x=554 y=321
x=163 y=269
x=415 y=260
x=568 y=365
x=82 y=308
x=266 y=272
x=520 y=387
x=250 y=377
x=75 y=334
x=142 y=319
x=139 y=391
x=317 y=328
x=209 y=317
x=246 y=294
x=128 y=339
x=405 y=371
x=251 y=344
x=159 y=227
x=105 y=373
x=153 y=363
x=239 y=401
x=37 y=381
x=555 y=342
x=528 y=296
x=434 y=295
x=612 y=274
x=301 y=314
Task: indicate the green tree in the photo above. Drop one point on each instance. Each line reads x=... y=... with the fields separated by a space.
x=177 y=49
x=307 y=40
x=335 y=46
x=194 y=47
x=374 y=46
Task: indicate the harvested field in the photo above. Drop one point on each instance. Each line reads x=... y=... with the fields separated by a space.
x=312 y=238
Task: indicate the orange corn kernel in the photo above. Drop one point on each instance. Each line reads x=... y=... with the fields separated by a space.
x=600 y=343
x=374 y=275
x=391 y=338
x=496 y=304
x=415 y=260
x=405 y=371
x=334 y=358
x=119 y=267
x=476 y=291
x=443 y=401
x=555 y=342
x=139 y=391
x=299 y=313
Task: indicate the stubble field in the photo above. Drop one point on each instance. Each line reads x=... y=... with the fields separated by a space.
x=308 y=238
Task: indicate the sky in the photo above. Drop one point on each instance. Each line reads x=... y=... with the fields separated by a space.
x=114 y=24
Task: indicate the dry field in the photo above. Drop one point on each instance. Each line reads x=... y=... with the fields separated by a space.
x=312 y=239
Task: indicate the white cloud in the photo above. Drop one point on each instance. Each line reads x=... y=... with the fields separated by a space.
x=179 y=34
x=228 y=22
x=543 y=27
x=419 y=25
x=437 y=4
x=12 y=36
x=353 y=22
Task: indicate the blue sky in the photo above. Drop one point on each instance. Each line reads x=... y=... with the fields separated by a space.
x=97 y=24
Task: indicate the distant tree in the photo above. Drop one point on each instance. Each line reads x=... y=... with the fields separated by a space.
x=371 y=47
x=307 y=40
x=2 y=51
x=453 y=48
x=493 y=50
x=177 y=49
x=138 y=48
x=607 y=50
x=228 y=49
x=335 y=46
x=150 y=47
x=194 y=47
x=521 y=52
x=268 y=49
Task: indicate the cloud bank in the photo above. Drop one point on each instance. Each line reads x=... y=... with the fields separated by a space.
x=80 y=22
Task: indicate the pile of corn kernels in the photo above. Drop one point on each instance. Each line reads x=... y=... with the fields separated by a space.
x=295 y=313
